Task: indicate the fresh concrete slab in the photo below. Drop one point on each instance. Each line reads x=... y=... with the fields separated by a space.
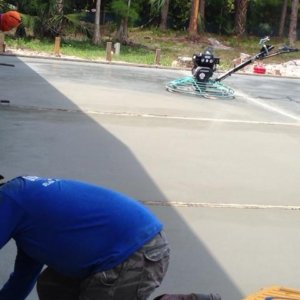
x=116 y=126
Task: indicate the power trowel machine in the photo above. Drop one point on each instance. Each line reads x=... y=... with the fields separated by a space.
x=203 y=82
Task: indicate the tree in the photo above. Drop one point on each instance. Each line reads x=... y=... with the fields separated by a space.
x=193 y=24
x=122 y=33
x=125 y=12
x=97 y=35
x=45 y=18
x=161 y=6
x=283 y=17
x=241 y=7
x=293 y=22
x=202 y=15
x=60 y=13
x=164 y=15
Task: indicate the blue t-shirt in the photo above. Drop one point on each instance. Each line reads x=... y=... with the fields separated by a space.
x=74 y=227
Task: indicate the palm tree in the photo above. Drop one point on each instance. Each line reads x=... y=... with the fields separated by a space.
x=293 y=22
x=60 y=13
x=164 y=15
x=241 y=7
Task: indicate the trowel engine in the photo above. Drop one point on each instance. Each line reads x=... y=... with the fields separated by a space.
x=204 y=65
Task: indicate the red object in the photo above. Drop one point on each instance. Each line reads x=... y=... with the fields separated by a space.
x=9 y=20
x=259 y=69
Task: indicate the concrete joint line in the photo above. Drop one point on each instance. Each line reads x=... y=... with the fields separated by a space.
x=221 y=205
x=153 y=116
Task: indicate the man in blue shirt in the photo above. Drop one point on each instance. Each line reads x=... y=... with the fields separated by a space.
x=96 y=243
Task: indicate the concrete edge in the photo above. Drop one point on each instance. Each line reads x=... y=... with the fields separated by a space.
x=121 y=63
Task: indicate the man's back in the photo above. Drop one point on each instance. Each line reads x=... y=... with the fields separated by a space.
x=74 y=227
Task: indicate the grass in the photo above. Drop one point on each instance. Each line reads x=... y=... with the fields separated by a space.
x=145 y=42
x=32 y=44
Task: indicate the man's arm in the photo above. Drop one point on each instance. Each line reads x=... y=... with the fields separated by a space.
x=23 y=279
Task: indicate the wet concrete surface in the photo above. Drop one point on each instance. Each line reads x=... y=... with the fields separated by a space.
x=198 y=163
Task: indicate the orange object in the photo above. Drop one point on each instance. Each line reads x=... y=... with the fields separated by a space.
x=275 y=293
x=9 y=20
x=259 y=69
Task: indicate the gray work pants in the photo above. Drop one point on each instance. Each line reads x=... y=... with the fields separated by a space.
x=134 y=279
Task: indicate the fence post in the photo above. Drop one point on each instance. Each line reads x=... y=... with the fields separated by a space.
x=2 y=43
x=117 y=47
x=108 y=51
x=157 y=57
x=57 y=46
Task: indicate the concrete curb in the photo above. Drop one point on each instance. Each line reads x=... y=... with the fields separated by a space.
x=97 y=62
x=120 y=63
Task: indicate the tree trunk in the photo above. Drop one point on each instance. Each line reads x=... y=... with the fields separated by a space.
x=193 y=25
x=122 y=33
x=293 y=23
x=241 y=7
x=60 y=12
x=282 y=19
x=60 y=6
x=164 y=15
x=202 y=15
x=97 y=35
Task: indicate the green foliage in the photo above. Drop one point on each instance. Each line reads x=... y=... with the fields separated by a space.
x=5 y=6
x=220 y=16
x=156 y=5
x=42 y=19
x=120 y=8
x=261 y=15
x=179 y=14
x=73 y=24
x=123 y=9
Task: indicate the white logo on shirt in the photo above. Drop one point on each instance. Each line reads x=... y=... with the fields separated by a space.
x=46 y=183
x=31 y=178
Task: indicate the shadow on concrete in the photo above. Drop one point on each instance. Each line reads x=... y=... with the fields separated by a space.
x=57 y=143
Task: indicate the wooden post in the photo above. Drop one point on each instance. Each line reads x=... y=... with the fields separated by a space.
x=157 y=57
x=57 y=46
x=2 y=43
x=108 y=51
